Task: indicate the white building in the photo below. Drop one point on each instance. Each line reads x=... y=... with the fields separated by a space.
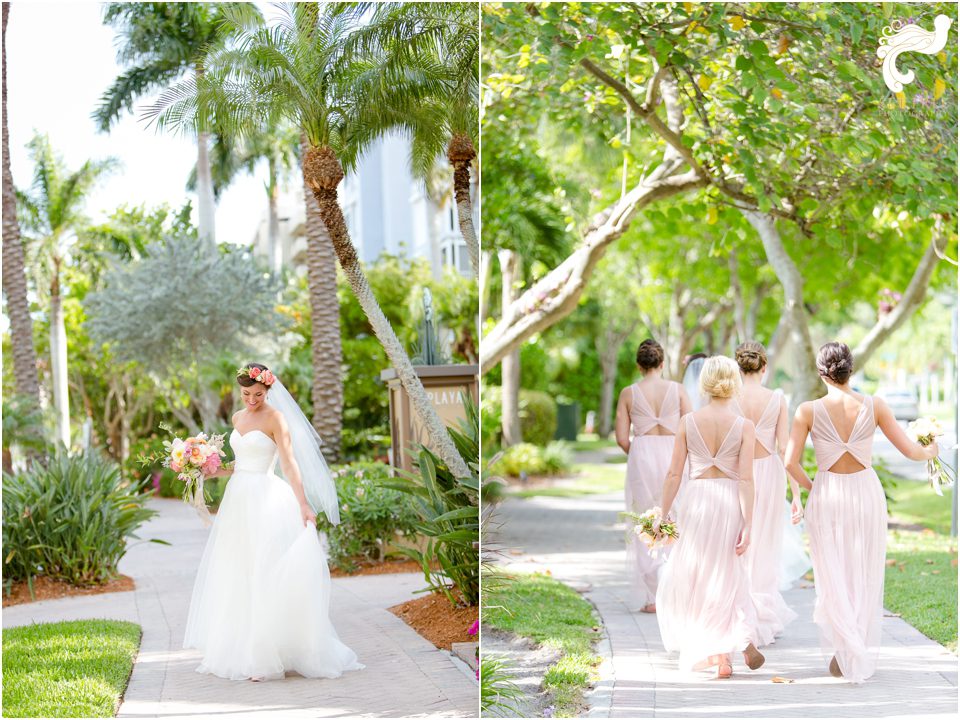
x=386 y=210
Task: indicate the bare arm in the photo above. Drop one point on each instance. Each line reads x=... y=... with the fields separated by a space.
x=891 y=428
x=745 y=485
x=685 y=405
x=622 y=425
x=281 y=435
x=802 y=422
x=671 y=485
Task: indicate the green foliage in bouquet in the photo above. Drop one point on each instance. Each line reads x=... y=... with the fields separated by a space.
x=372 y=515
x=69 y=520
x=449 y=515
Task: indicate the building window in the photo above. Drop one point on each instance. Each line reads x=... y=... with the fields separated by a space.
x=453 y=252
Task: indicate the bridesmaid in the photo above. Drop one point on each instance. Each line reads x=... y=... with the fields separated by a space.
x=705 y=610
x=648 y=414
x=847 y=511
x=767 y=410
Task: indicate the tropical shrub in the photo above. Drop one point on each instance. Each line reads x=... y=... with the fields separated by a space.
x=69 y=520
x=372 y=515
x=449 y=515
x=555 y=459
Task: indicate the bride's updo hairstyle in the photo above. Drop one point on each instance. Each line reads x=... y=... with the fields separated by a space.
x=835 y=362
x=253 y=373
x=720 y=377
x=649 y=354
x=751 y=357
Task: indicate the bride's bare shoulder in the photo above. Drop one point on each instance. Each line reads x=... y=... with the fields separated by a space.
x=236 y=415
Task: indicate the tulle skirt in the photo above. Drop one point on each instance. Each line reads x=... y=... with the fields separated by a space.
x=704 y=606
x=764 y=553
x=794 y=561
x=847 y=524
x=647 y=465
x=261 y=598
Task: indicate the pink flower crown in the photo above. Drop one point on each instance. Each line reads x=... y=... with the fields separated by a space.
x=263 y=376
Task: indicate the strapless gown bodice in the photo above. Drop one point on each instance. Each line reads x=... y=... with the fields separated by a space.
x=255 y=452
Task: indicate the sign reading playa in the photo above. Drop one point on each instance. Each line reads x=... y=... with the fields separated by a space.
x=906 y=37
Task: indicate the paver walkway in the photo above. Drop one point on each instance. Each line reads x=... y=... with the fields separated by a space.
x=580 y=541
x=405 y=675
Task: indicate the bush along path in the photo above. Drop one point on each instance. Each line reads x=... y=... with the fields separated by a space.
x=579 y=541
x=405 y=674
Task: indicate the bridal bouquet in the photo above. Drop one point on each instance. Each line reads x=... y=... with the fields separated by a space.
x=643 y=527
x=925 y=431
x=193 y=459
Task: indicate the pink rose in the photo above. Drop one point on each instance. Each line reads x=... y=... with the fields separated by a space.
x=211 y=465
x=176 y=467
x=267 y=378
x=254 y=372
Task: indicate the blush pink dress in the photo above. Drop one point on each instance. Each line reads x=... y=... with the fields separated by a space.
x=764 y=553
x=647 y=464
x=704 y=606
x=847 y=523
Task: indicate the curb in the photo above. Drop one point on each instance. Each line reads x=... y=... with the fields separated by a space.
x=600 y=697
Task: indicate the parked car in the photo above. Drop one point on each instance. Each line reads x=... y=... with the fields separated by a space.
x=902 y=401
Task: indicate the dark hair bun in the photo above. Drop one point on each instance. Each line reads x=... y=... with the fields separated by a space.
x=649 y=354
x=835 y=361
x=751 y=357
x=247 y=381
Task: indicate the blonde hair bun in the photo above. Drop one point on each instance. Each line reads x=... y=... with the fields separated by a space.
x=720 y=377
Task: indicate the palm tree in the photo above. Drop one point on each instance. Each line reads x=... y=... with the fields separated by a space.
x=14 y=272
x=52 y=214
x=446 y=36
x=160 y=42
x=296 y=69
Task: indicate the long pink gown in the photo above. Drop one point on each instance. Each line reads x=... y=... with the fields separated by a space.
x=847 y=524
x=647 y=464
x=704 y=606
x=763 y=555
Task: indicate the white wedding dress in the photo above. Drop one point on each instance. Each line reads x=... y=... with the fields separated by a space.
x=260 y=604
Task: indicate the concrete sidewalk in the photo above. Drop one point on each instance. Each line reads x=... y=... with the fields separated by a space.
x=405 y=675
x=580 y=541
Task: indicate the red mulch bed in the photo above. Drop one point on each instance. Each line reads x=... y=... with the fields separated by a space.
x=46 y=589
x=437 y=620
x=369 y=567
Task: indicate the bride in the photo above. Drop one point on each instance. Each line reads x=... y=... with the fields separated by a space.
x=261 y=598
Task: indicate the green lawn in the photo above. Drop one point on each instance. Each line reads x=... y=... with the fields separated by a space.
x=587 y=443
x=589 y=479
x=551 y=614
x=921 y=582
x=67 y=669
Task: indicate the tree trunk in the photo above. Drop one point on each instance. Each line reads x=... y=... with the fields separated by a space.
x=326 y=349
x=322 y=173
x=486 y=273
x=806 y=380
x=510 y=366
x=460 y=153
x=912 y=299
x=206 y=208
x=274 y=248
x=58 y=359
x=609 y=354
x=775 y=349
x=14 y=273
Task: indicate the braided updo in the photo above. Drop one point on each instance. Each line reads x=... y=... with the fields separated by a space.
x=835 y=362
x=751 y=357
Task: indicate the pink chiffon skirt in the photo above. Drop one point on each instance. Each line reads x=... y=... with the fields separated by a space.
x=647 y=465
x=847 y=524
x=704 y=606
x=766 y=546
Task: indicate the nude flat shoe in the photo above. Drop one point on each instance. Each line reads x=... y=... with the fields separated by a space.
x=753 y=657
x=835 y=667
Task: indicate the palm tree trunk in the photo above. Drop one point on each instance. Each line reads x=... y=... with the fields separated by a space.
x=326 y=349
x=14 y=273
x=461 y=153
x=273 y=221
x=510 y=366
x=58 y=359
x=206 y=208
x=322 y=173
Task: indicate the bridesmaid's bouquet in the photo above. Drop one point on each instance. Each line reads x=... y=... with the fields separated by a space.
x=643 y=527
x=924 y=431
